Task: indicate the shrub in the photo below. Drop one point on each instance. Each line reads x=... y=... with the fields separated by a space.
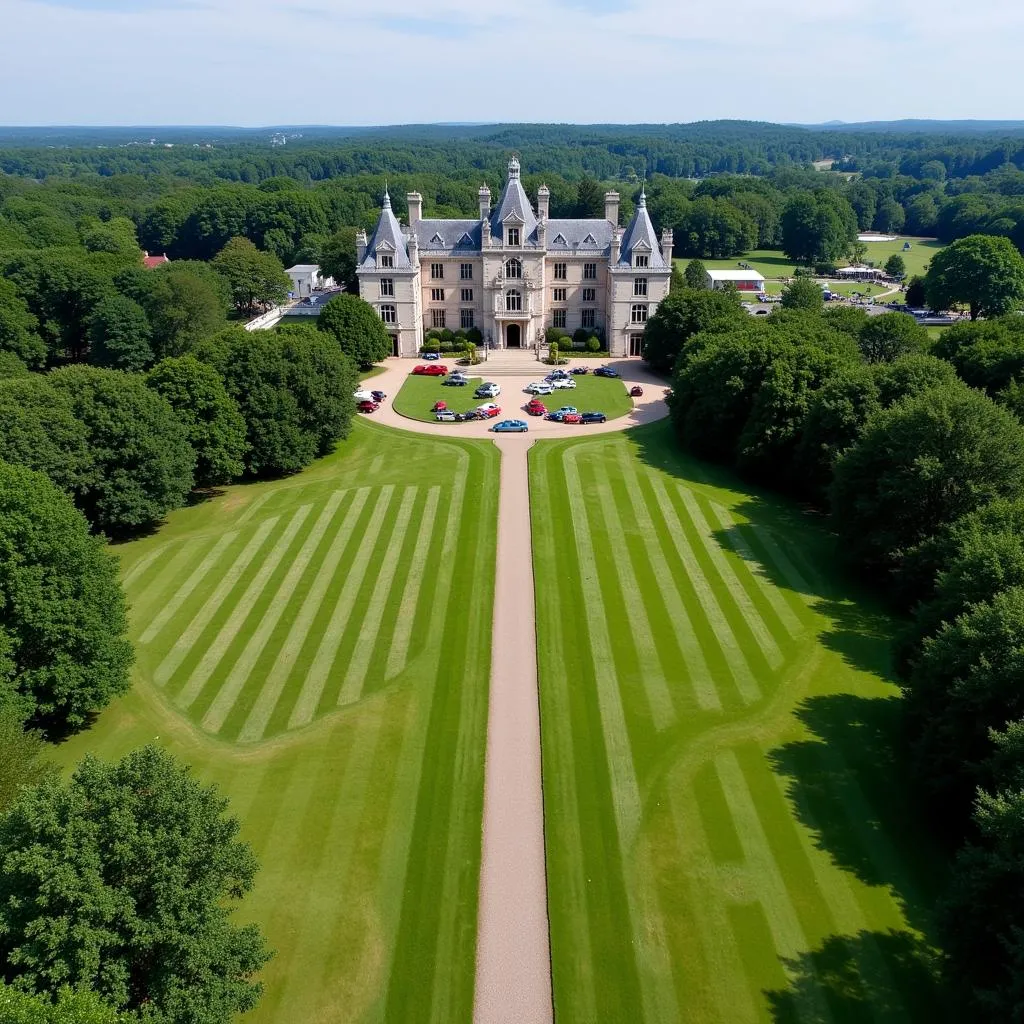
x=593 y=344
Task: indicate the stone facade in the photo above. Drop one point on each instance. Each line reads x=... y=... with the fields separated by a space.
x=514 y=272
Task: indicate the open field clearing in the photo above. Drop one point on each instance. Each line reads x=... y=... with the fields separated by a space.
x=601 y=394
x=319 y=647
x=728 y=839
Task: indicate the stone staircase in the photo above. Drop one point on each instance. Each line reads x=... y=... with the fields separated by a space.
x=503 y=363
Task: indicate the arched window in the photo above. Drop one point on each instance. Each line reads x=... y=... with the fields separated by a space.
x=513 y=268
x=514 y=301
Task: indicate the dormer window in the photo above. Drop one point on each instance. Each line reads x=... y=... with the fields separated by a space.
x=513 y=268
x=590 y=240
x=437 y=239
x=512 y=236
x=641 y=259
x=559 y=239
x=385 y=260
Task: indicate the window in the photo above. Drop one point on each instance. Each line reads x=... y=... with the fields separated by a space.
x=512 y=236
x=437 y=318
x=560 y=274
x=387 y=286
x=466 y=271
x=640 y=286
x=513 y=268
x=638 y=315
x=590 y=295
x=588 y=320
x=387 y=262
x=641 y=259
x=467 y=294
x=437 y=271
x=387 y=314
x=589 y=271
x=558 y=318
x=465 y=319
x=514 y=301
x=558 y=295
x=437 y=295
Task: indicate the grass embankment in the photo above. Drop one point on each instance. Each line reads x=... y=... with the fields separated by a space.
x=602 y=394
x=319 y=647
x=729 y=837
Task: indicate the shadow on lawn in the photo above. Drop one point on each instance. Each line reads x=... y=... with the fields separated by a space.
x=864 y=978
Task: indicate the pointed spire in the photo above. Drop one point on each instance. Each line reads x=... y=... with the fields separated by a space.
x=513 y=167
x=387 y=197
x=642 y=201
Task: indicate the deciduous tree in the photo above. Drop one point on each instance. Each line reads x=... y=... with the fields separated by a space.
x=983 y=271
x=683 y=314
x=357 y=328
x=119 y=334
x=254 y=277
x=891 y=335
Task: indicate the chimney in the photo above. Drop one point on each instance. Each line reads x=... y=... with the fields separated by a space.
x=413 y=245
x=542 y=231
x=666 y=245
x=485 y=202
x=543 y=202
x=360 y=246
x=616 y=245
x=415 y=201
x=485 y=233
x=611 y=207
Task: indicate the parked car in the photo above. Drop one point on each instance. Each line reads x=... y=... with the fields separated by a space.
x=557 y=375
x=636 y=391
x=539 y=387
x=563 y=384
x=488 y=410
x=378 y=396
x=439 y=406
x=454 y=382
x=606 y=371
x=580 y=369
x=445 y=416
x=363 y=396
x=431 y=356
x=488 y=390
x=370 y=406
x=511 y=427
x=434 y=370
x=535 y=407
x=568 y=409
x=572 y=417
x=466 y=417
x=593 y=417
x=555 y=416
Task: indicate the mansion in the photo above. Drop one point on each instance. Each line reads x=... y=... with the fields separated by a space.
x=514 y=272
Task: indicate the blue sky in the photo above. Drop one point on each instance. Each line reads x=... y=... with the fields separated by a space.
x=258 y=62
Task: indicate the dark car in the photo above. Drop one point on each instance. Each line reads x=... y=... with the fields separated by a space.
x=455 y=382
x=368 y=406
x=556 y=415
x=378 y=396
x=606 y=371
x=580 y=369
x=593 y=417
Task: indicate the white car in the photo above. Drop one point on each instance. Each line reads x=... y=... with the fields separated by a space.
x=488 y=390
x=563 y=383
x=539 y=387
x=363 y=396
x=445 y=416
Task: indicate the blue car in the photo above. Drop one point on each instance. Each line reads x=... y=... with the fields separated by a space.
x=511 y=427
x=606 y=371
x=431 y=357
x=556 y=415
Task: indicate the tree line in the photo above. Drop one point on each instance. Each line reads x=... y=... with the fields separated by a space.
x=916 y=449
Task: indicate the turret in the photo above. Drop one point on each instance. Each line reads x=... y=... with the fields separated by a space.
x=485 y=202
x=611 y=207
x=543 y=202
x=415 y=201
x=360 y=246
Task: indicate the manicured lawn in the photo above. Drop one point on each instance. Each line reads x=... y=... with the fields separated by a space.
x=728 y=835
x=418 y=395
x=319 y=647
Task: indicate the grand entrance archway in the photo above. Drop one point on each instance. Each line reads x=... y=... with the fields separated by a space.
x=513 y=336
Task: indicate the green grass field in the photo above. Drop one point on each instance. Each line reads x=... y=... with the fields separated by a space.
x=319 y=647
x=729 y=837
x=603 y=394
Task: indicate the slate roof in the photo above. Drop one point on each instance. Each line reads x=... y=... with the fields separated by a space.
x=448 y=235
x=514 y=202
x=576 y=234
x=387 y=230
x=641 y=230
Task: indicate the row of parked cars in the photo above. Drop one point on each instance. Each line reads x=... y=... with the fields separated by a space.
x=369 y=401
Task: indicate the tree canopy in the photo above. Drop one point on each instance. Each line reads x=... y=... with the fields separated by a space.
x=359 y=331
x=683 y=314
x=803 y=293
x=982 y=271
x=254 y=277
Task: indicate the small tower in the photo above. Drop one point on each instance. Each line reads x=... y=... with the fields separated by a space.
x=513 y=167
x=611 y=207
x=414 y=250
x=415 y=201
x=543 y=202
x=360 y=246
x=666 y=245
x=616 y=245
x=485 y=202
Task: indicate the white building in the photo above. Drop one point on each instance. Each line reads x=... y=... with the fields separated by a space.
x=513 y=272
x=741 y=280
x=306 y=278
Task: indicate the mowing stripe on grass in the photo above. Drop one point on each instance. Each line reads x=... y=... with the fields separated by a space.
x=316 y=678
x=659 y=697
x=648 y=931
x=142 y=565
x=170 y=609
x=783 y=922
x=398 y=652
x=771 y=593
x=253 y=507
x=240 y=672
x=746 y=684
x=790 y=573
x=194 y=629
x=727 y=574
x=359 y=661
x=277 y=677
x=216 y=651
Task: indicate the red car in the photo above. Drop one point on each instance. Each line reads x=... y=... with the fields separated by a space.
x=572 y=417
x=535 y=407
x=636 y=391
x=488 y=411
x=430 y=370
x=438 y=406
x=368 y=406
